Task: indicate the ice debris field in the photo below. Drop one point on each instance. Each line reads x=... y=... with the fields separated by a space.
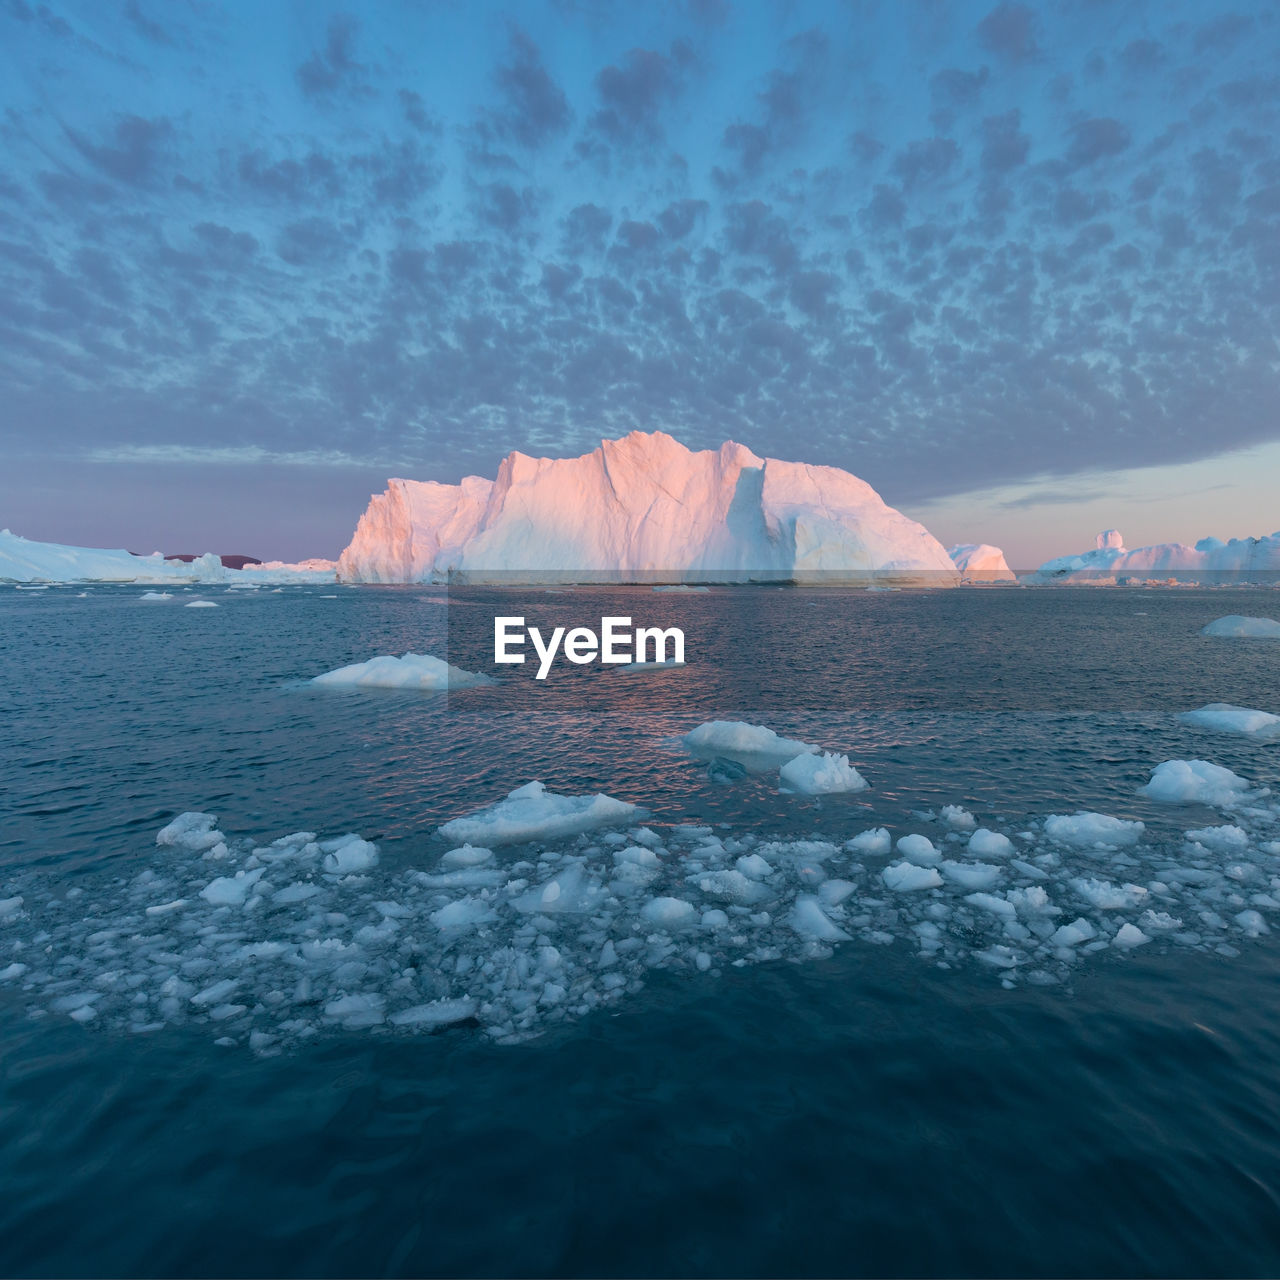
x=543 y=907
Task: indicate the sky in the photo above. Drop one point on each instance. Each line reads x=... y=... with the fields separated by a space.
x=1017 y=265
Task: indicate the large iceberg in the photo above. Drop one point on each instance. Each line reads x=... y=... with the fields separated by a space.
x=980 y=562
x=643 y=509
x=1210 y=560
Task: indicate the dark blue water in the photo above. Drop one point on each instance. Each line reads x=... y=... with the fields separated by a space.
x=861 y=1108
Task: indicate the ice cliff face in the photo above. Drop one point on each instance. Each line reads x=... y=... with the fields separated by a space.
x=643 y=508
x=981 y=562
x=1240 y=559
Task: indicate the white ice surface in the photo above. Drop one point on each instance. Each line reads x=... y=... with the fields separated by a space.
x=1237 y=626
x=820 y=775
x=532 y=812
x=412 y=671
x=1224 y=717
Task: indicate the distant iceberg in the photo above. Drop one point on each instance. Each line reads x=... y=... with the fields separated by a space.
x=643 y=509
x=980 y=562
x=1211 y=560
x=1238 y=627
x=22 y=560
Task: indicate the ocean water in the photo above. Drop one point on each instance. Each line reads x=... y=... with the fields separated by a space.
x=942 y=1090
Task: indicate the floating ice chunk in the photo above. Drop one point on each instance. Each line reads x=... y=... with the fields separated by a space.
x=350 y=857
x=439 y=1013
x=1070 y=935
x=990 y=844
x=819 y=775
x=359 y=1010
x=810 y=921
x=919 y=850
x=832 y=893
x=215 y=994
x=1195 y=782
x=670 y=913
x=650 y=666
x=1092 y=830
x=1223 y=717
x=466 y=913
x=990 y=902
x=636 y=856
x=467 y=856
x=750 y=744
x=1238 y=626
x=532 y=812
x=193 y=831
x=412 y=671
x=1108 y=896
x=1224 y=840
x=200 y=604
x=231 y=891
x=11 y=906
x=564 y=894
x=954 y=816
x=165 y=908
x=14 y=970
x=714 y=919
x=971 y=875
x=1032 y=901
x=679 y=588
x=904 y=877
x=754 y=866
x=156 y=595
x=1129 y=936
x=731 y=886
x=1252 y=922
x=875 y=840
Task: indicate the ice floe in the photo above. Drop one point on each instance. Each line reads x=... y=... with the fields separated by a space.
x=751 y=744
x=532 y=812
x=818 y=775
x=1237 y=626
x=410 y=671
x=266 y=942
x=1224 y=717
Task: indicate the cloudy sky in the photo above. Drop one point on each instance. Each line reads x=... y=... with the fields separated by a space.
x=1016 y=265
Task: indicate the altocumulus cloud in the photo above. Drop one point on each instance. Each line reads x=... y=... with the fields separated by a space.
x=945 y=245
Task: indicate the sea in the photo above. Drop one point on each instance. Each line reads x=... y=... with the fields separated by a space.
x=703 y=1035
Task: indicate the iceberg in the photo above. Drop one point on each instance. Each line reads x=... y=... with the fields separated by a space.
x=980 y=562
x=820 y=775
x=1223 y=717
x=1240 y=559
x=22 y=560
x=753 y=745
x=412 y=671
x=1196 y=782
x=1238 y=627
x=643 y=509
x=532 y=812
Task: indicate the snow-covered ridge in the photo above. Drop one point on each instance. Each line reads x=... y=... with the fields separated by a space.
x=643 y=508
x=22 y=560
x=1240 y=559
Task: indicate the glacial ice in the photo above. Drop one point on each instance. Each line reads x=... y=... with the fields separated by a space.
x=820 y=775
x=638 y=508
x=1196 y=782
x=411 y=671
x=1223 y=717
x=1211 y=559
x=1237 y=626
x=25 y=561
x=749 y=744
x=1092 y=830
x=263 y=943
x=980 y=562
x=532 y=812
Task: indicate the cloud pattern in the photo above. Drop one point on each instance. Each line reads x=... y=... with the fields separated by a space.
x=941 y=244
